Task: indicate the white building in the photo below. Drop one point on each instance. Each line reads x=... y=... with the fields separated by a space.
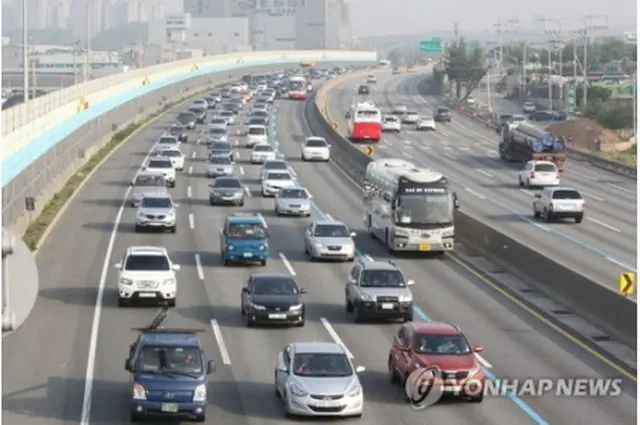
x=272 y=22
x=323 y=24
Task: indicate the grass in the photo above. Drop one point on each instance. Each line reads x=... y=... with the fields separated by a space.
x=36 y=229
x=627 y=157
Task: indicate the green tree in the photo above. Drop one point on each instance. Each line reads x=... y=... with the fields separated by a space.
x=395 y=56
x=465 y=67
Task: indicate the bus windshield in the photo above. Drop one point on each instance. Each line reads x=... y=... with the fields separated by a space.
x=368 y=113
x=415 y=210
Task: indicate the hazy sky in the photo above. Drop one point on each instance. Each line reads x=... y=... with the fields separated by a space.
x=381 y=17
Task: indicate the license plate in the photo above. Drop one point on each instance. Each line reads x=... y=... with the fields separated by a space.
x=424 y=247
x=325 y=403
x=387 y=306
x=147 y=295
x=169 y=407
x=247 y=255
x=220 y=170
x=278 y=316
x=451 y=388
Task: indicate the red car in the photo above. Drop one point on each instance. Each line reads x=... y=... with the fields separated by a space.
x=443 y=347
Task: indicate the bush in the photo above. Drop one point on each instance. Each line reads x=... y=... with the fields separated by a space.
x=614 y=114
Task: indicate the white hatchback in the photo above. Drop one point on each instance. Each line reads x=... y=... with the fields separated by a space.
x=539 y=174
x=257 y=135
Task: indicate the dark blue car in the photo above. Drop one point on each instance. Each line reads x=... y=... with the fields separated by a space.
x=169 y=373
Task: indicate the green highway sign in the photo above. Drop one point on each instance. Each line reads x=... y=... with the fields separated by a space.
x=433 y=46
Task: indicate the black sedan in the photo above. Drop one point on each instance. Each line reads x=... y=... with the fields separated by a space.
x=442 y=115
x=272 y=298
x=363 y=90
x=200 y=114
x=179 y=131
x=188 y=119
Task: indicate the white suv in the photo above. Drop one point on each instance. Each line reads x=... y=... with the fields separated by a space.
x=146 y=273
x=559 y=202
x=539 y=173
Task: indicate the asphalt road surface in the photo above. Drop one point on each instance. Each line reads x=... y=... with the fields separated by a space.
x=45 y=362
x=601 y=247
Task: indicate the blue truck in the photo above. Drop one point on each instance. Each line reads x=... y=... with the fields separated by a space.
x=244 y=238
x=168 y=373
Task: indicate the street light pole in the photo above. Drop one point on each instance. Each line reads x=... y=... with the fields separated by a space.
x=25 y=52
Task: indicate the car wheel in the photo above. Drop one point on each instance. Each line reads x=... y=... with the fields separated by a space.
x=211 y=202
x=241 y=203
x=520 y=181
x=263 y=262
x=172 y=229
x=408 y=317
x=200 y=418
x=242 y=310
x=477 y=398
x=248 y=321
x=138 y=229
x=391 y=371
x=579 y=218
x=536 y=214
x=300 y=324
x=357 y=315
x=171 y=303
x=226 y=263
x=348 y=306
x=547 y=216
x=123 y=302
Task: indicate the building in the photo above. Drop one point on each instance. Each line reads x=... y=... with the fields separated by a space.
x=208 y=8
x=272 y=22
x=101 y=63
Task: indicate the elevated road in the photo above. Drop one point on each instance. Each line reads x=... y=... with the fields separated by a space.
x=602 y=247
x=70 y=340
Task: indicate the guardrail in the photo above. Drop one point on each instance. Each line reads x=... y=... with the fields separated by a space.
x=603 y=306
x=53 y=155
x=575 y=154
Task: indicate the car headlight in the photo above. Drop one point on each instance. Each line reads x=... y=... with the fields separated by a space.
x=405 y=298
x=297 y=390
x=474 y=372
x=230 y=247
x=169 y=282
x=318 y=245
x=200 y=393
x=127 y=282
x=262 y=247
x=295 y=307
x=447 y=233
x=257 y=306
x=141 y=214
x=139 y=393
x=400 y=233
x=354 y=390
x=366 y=297
x=171 y=214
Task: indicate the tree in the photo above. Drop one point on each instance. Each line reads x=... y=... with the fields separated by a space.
x=464 y=66
x=395 y=56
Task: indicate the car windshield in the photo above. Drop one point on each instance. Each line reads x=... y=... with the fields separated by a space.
x=247 y=231
x=551 y=168
x=218 y=131
x=257 y=121
x=413 y=114
x=220 y=147
x=221 y=121
x=443 y=110
x=141 y=262
x=197 y=111
x=506 y=117
x=415 y=210
x=331 y=231
x=566 y=194
x=382 y=279
x=263 y=148
x=176 y=130
x=315 y=143
x=325 y=365
x=277 y=285
x=160 y=163
x=390 y=119
x=293 y=194
x=275 y=166
x=220 y=160
x=156 y=203
x=171 y=153
x=227 y=184
x=440 y=344
x=167 y=141
x=182 y=360
x=226 y=113
x=519 y=118
x=149 y=181
x=278 y=176
x=257 y=131
x=229 y=106
x=186 y=117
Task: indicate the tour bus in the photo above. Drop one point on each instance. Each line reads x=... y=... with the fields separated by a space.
x=365 y=123
x=298 y=88
x=409 y=208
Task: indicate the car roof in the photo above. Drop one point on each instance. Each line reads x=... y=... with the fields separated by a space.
x=147 y=250
x=150 y=173
x=273 y=161
x=168 y=136
x=262 y=145
x=328 y=222
x=437 y=328
x=536 y=162
x=315 y=138
x=270 y=275
x=554 y=189
x=180 y=339
x=257 y=126
x=318 y=347
x=246 y=218
x=159 y=158
x=379 y=265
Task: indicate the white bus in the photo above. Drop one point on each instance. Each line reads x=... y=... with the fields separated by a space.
x=409 y=208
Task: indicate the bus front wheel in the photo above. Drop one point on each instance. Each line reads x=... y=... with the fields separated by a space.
x=370 y=227
x=387 y=239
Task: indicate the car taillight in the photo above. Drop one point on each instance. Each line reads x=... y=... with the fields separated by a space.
x=533 y=175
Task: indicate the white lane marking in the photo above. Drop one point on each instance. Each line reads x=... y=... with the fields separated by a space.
x=192 y=223
x=594 y=197
x=199 y=269
x=368 y=257
x=481 y=171
x=603 y=224
x=85 y=414
x=541 y=227
x=385 y=142
x=624 y=189
x=614 y=261
x=465 y=149
x=526 y=192
x=287 y=264
x=190 y=169
x=334 y=336
x=193 y=154
x=406 y=142
x=586 y=176
x=188 y=191
x=241 y=171
x=328 y=216
x=443 y=133
x=474 y=193
x=408 y=155
x=217 y=333
x=450 y=156
x=247 y=191
x=446 y=148
x=484 y=362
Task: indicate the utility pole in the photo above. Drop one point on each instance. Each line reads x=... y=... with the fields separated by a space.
x=87 y=65
x=589 y=29
x=523 y=90
x=25 y=52
x=34 y=83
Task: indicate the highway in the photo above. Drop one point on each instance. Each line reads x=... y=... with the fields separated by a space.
x=602 y=247
x=70 y=340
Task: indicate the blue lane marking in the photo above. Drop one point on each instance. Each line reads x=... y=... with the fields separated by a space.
x=521 y=404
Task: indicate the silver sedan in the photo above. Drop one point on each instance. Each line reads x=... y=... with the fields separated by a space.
x=329 y=239
x=294 y=201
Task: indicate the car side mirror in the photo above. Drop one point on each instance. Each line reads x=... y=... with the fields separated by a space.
x=411 y=282
x=245 y=290
x=360 y=369
x=132 y=183
x=282 y=368
x=127 y=365
x=537 y=195
x=118 y=266
x=353 y=234
x=351 y=280
x=211 y=367
x=347 y=115
x=211 y=185
x=477 y=348
x=303 y=291
x=176 y=267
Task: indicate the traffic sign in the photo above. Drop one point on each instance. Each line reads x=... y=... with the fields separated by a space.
x=434 y=45
x=627 y=284
x=570 y=101
x=369 y=150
